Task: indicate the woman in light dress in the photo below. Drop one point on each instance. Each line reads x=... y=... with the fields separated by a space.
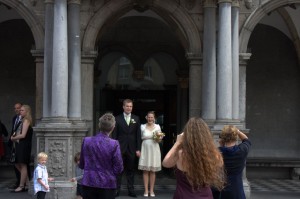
x=150 y=159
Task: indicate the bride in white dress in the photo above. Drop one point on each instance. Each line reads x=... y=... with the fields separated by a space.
x=150 y=159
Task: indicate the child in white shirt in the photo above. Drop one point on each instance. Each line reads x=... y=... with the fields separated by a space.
x=40 y=177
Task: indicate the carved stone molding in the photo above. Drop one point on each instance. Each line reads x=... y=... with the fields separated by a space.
x=57 y=157
x=88 y=57
x=74 y=1
x=248 y=4
x=210 y=3
x=236 y=3
x=142 y=5
x=49 y=1
x=193 y=56
x=224 y=1
x=190 y=4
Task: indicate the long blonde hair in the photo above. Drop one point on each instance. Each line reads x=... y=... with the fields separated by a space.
x=28 y=114
x=202 y=161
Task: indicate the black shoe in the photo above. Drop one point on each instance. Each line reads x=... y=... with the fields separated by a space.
x=117 y=193
x=132 y=194
x=13 y=187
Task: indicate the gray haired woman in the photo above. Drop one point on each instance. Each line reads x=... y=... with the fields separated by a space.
x=101 y=161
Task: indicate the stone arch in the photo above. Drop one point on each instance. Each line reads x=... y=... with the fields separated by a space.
x=168 y=10
x=256 y=16
x=34 y=24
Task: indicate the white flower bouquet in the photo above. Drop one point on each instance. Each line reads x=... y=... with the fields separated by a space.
x=158 y=136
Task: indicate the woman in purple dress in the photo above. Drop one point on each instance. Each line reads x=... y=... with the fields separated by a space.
x=234 y=157
x=101 y=161
x=198 y=162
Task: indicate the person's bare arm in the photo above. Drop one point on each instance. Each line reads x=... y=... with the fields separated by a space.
x=25 y=128
x=171 y=158
x=41 y=182
x=242 y=135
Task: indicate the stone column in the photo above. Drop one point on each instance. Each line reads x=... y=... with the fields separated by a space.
x=59 y=105
x=224 y=62
x=87 y=71
x=182 y=97
x=58 y=137
x=39 y=62
x=74 y=111
x=235 y=59
x=209 y=73
x=195 y=61
x=48 y=57
x=244 y=57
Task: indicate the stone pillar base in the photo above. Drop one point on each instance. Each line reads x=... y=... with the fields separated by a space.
x=58 y=189
x=61 y=139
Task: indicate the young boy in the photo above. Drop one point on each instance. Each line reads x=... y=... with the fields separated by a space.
x=40 y=176
x=79 y=176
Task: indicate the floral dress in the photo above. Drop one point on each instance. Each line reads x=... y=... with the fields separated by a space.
x=150 y=159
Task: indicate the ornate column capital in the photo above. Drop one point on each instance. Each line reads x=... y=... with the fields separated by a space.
x=236 y=3
x=88 y=57
x=37 y=53
x=74 y=2
x=224 y=1
x=244 y=58
x=193 y=56
x=210 y=3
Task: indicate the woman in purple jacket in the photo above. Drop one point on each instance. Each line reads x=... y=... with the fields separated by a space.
x=101 y=161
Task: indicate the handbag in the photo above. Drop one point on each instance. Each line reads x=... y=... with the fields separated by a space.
x=12 y=158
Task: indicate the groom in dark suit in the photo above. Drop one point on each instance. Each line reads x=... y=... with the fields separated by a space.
x=128 y=132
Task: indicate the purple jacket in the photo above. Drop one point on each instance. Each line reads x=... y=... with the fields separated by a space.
x=101 y=161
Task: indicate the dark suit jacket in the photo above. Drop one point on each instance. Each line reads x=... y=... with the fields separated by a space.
x=13 y=129
x=129 y=136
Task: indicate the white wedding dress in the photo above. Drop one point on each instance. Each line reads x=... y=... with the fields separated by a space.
x=150 y=159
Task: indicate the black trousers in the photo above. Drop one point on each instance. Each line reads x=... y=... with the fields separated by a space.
x=40 y=195
x=97 y=193
x=129 y=167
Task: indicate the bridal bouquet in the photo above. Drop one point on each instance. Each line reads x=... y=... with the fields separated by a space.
x=158 y=136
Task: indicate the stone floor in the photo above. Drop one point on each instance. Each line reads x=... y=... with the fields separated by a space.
x=260 y=189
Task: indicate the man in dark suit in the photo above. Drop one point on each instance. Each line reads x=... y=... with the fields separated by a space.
x=15 y=123
x=128 y=132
